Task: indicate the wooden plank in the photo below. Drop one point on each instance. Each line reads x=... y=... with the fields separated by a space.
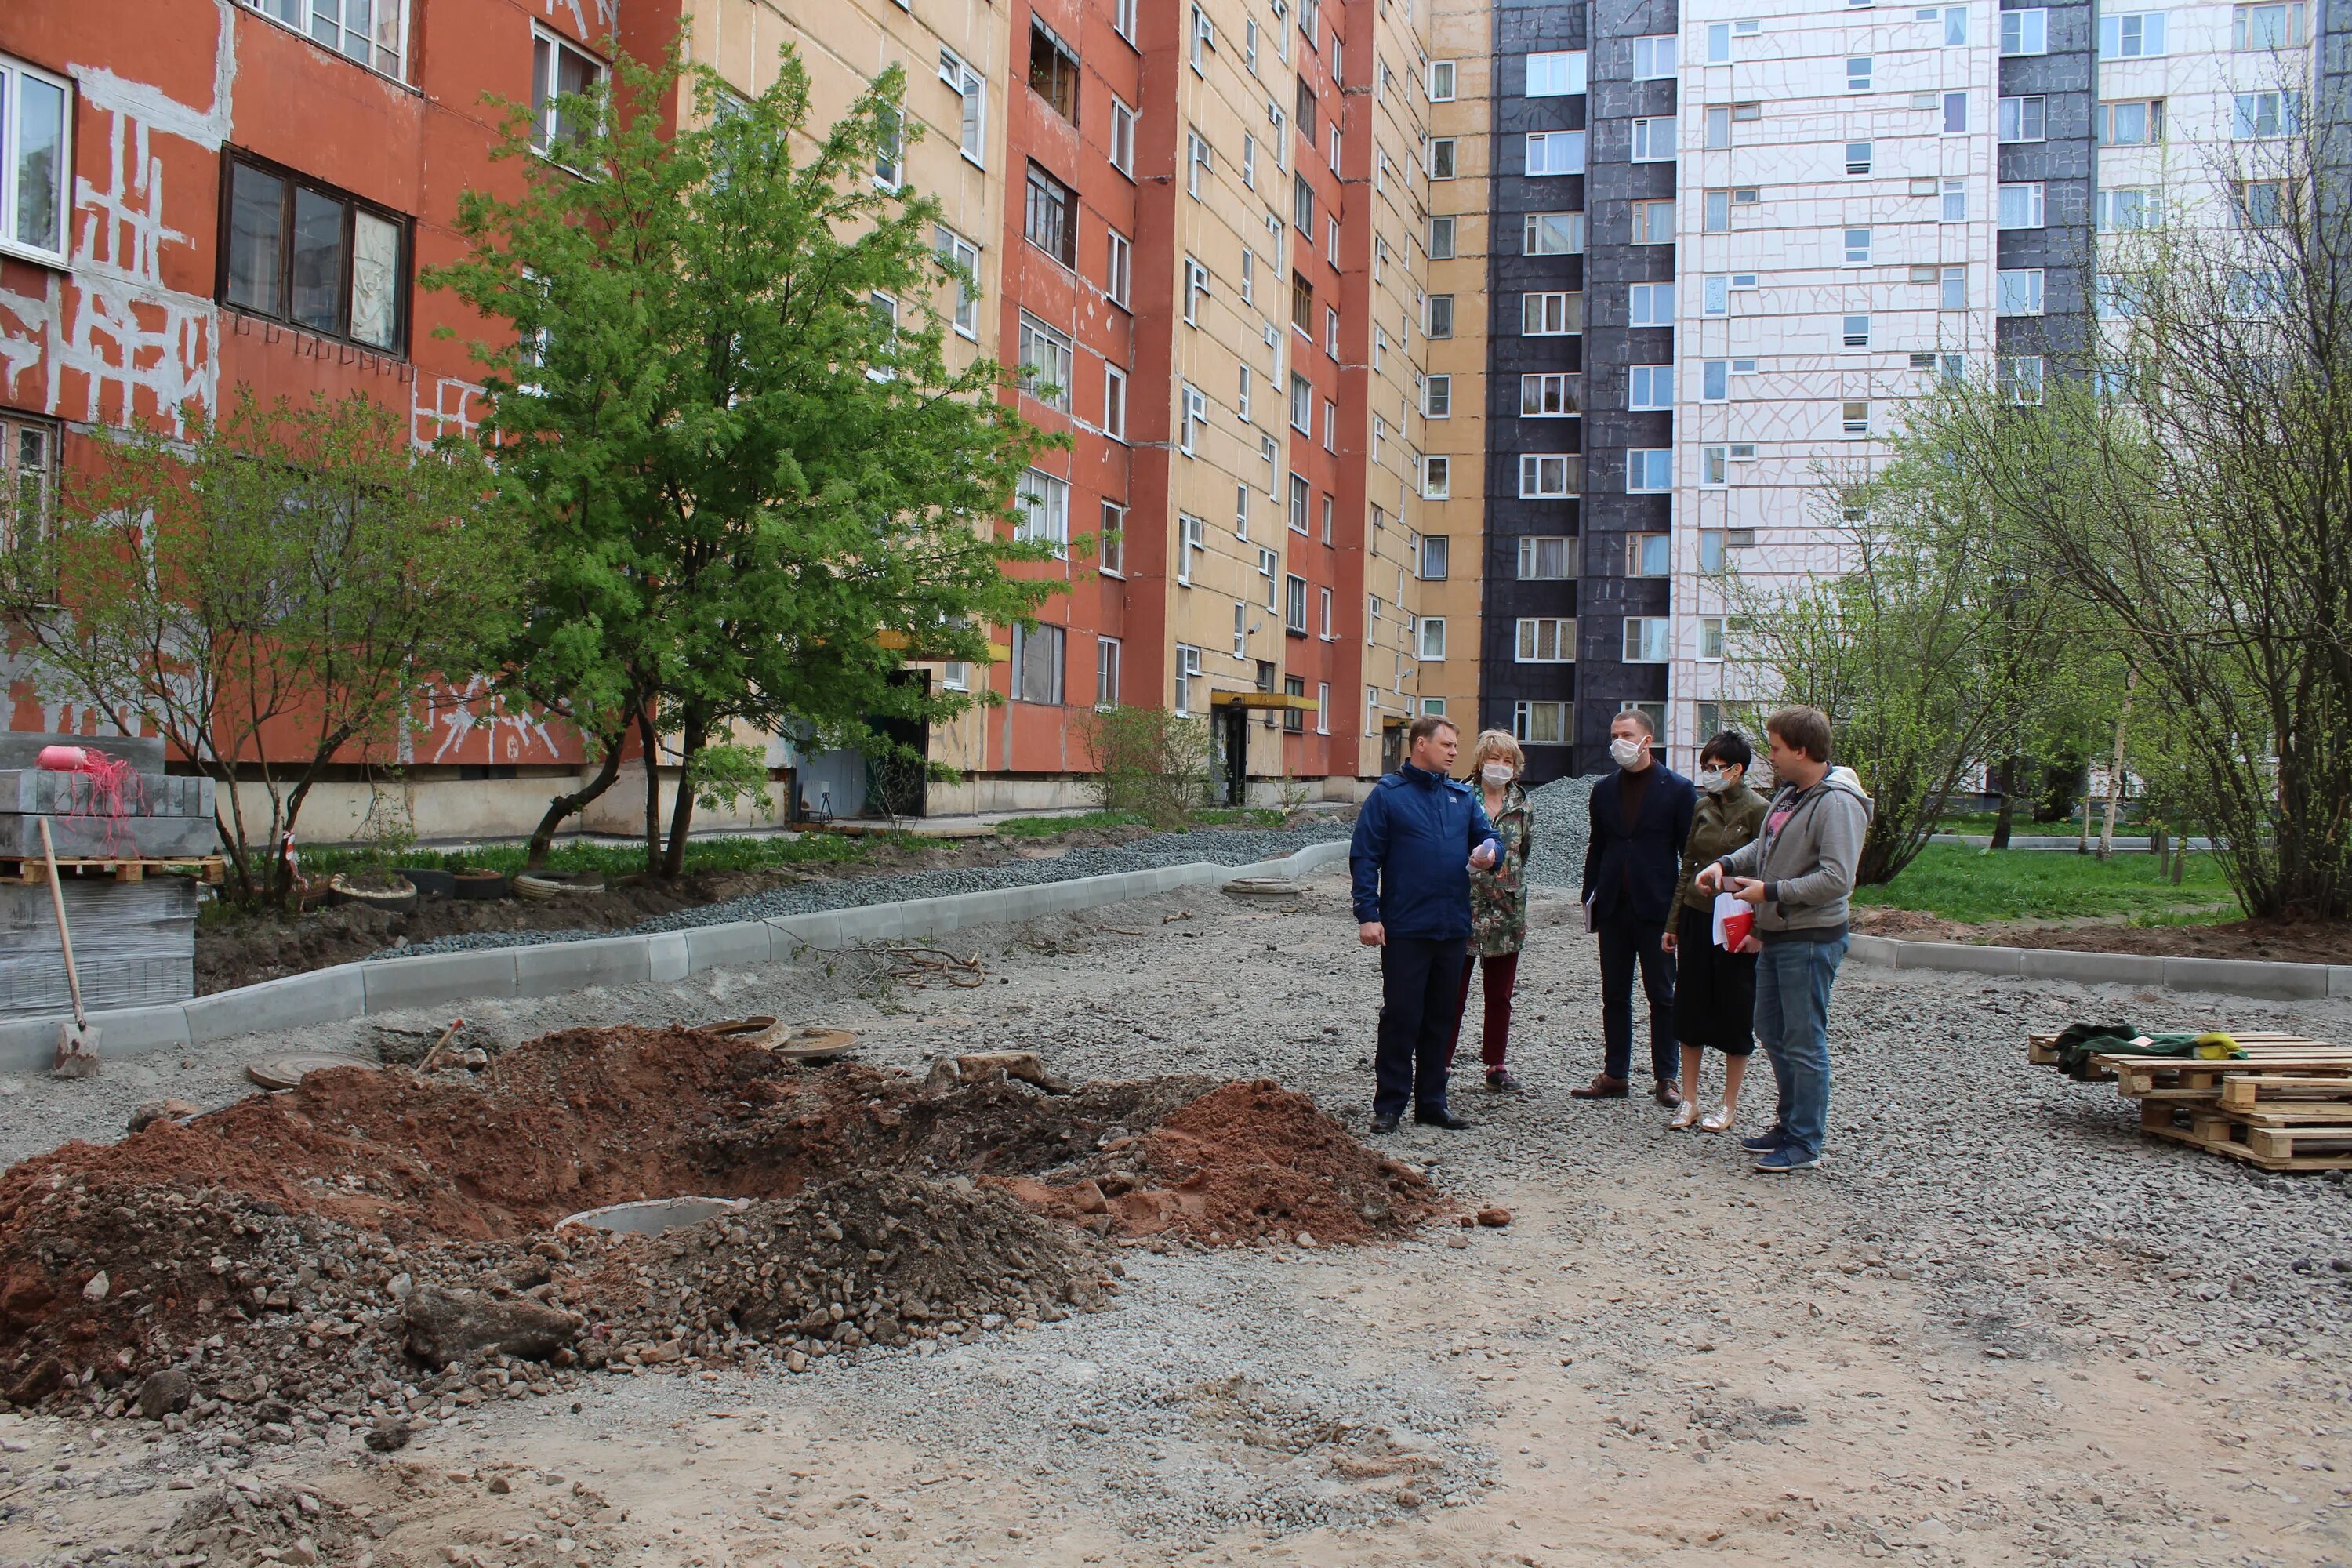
x=2243 y=1153
x=2245 y=1091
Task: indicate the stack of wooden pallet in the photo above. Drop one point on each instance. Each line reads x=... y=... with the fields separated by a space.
x=2286 y=1105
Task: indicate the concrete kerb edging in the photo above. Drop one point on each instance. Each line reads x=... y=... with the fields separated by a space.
x=2222 y=977
x=549 y=969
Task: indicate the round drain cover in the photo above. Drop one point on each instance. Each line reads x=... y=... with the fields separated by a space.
x=285 y=1071
x=813 y=1044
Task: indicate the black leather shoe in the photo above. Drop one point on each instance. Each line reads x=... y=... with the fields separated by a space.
x=1441 y=1117
x=1386 y=1121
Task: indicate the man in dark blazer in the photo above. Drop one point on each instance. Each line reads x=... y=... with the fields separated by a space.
x=1641 y=818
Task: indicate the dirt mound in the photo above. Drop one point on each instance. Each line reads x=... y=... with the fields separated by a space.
x=236 y=1524
x=376 y=1245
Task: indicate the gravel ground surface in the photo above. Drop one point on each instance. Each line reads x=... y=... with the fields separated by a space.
x=1561 y=829
x=2000 y=1326
x=1224 y=846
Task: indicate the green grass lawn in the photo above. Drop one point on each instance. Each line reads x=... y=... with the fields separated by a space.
x=1958 y=883
x=1047 y=826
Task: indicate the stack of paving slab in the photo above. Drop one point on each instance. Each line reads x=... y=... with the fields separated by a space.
x=135 y=940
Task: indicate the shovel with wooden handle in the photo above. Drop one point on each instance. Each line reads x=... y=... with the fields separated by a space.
x=77 y=1041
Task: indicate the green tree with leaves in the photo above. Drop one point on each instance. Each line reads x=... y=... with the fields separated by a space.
x=753 y=486
x=268 y=593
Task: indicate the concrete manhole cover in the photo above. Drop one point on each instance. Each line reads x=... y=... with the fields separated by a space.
x=285 y=1071
x=651 y=1216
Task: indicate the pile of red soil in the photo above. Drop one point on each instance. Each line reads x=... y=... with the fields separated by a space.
x=282 y=1252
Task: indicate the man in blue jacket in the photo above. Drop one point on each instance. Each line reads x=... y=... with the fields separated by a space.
x=1415 y=833
x=1641 y=818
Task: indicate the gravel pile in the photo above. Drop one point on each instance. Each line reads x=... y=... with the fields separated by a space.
x=1223 y=846
x=1561 y=829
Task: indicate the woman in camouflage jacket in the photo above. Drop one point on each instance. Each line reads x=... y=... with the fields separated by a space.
x=1499 y=900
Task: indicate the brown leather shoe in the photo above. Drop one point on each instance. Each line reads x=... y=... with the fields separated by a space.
x=1603 y=1087
x=1667 y=1094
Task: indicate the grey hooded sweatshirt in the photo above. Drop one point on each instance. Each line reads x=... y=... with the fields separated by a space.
x=1808 y=866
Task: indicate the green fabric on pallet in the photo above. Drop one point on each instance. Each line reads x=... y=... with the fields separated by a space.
x=2078 y=1042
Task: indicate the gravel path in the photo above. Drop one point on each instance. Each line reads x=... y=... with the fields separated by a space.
x=1999 y=1325
x=1563 y=828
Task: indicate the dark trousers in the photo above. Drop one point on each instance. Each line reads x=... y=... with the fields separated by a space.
x=1502 y=974
x=1623 y=942
x=1420 y=980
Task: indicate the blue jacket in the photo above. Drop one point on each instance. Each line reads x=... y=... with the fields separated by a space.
x=1412 y=854
x=1643 y=858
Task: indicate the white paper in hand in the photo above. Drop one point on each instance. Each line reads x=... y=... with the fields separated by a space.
x=1727 y=907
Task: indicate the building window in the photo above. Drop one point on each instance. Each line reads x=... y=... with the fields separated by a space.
x=1106 y=652
x=1547 y=476
x=2018 y=378
x=1539 y=723
x=2126 y=208
x=2266 y=28
x=562 y=73
x=1323 y=603
x=308 y=255
x=1045 y=362
x=1431 y=649
x=2020 y=291
x=1331 y=331
x=1546 y=639
x=1440 y=81
x=1857 y=157
x=1649 y=470
x=1037 y=664
x=956 y=251
x=1302 y=498
x=28 y=480
x=1302 y=206
x=1856 y=335
x=35 y=162
x=1294 y=605
x=1653 y=141
x=2261 y=204
x=1956 y=113
x=1190 y=687
x=1653 y=223
x=1112 y=551
x=1715 y=467
x=2022 y=206
x=1322 y=707
x=1122 y=137
x=1554 y=234
x=1853 y=418
x=2131 y=36
x=2023 y=119
x=1710 y=550
x=1710 y=638
x=1654 y=57
x=1053 y=70
x=1436 y=478
x=1550 y=314
x=1557 y=74
x=1437 y=397
x=1114 y=419
x=1857 y=73
x=1547 y=558
x=2025 y=32
x=1050 y=220
x=1196 y=288
x=1434 y=558
x=1044 y=512
x=2140 y=123
x=972 y=88
x=1440 y=157
x=1956 y=26
x=1302 y=404
x=1122 y=18
x=1649 y=555
x=1116 y=269
x=1650 y=305
x=1194 y=415
x=1556 y=153
x=2257 y=115
x=1192 y=544
x=1649 y=639
x=1546 y=395
x=1715 y=380
x=1956 y=289
x=1199 y=164
x=1650 y=386
x=1956 y=200
x=1440 y=239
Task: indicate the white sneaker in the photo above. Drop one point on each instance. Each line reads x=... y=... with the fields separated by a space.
x=1686 y=1117
x=1719 y=1119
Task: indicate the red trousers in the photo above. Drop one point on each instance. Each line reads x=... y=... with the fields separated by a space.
x=1502 y=974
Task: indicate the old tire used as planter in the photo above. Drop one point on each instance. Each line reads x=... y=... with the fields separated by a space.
x=431 y=881
x=479 y=884
x=544 y=885
x=390 y=901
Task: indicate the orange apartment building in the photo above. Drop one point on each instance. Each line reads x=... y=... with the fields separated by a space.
x=1199 y=225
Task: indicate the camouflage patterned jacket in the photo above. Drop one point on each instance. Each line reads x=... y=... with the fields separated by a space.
x=1499 y=898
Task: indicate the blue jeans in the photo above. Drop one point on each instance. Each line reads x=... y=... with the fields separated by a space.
x=1792 y=1007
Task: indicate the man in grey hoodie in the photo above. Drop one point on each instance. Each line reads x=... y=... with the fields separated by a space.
x=1799 y=873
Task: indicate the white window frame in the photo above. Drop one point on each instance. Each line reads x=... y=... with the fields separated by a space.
x=1114 y=419
x=1649 y=555
x=1654 y=57
x=301 y=17
x=1654 y=140
x=2022 y=118
x=1111 y=544
x=1649 y=639
x=965 y=319
x=1192 y=544
x=1108 y=658
x=2029 y=29
x=1031 y=331
x=1533 y=549
x=1444 y=80
x=543 y=111
x=14 y=74
x=1649 y=387
x=2131 y=35
x=1437 y=397
x=1117 y=264
x=1547 y=476
x=1187 y=670
x=1198 y=161
x=1056 y=638
x=1547 y=394
x=1430 y=647
x=2029 y=197
x=971 y=88
x=2017 y=291
x=1539 y=305
x=1191 y=416
x=1569 y=226
x=1544 y=639
x=1649 y=470
x=1436 y=477
x=1122 y=137
x=1044 y=512
x=1650 y=305
x=1523 y=725
x=1553 y=153
x=1857 y=254
x=1556 y=73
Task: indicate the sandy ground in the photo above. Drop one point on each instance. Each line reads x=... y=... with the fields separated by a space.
x=1664 y=1359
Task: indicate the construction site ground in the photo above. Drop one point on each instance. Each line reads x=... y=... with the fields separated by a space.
x=2000 y=1326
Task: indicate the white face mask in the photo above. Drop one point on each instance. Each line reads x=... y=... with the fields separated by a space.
x=1712 y=781
x=1625 y=752
x=1497 y=774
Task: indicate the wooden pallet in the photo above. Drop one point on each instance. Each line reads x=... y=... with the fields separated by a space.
x=210 y=869
x=2273 y=1141
x=2170 y=1077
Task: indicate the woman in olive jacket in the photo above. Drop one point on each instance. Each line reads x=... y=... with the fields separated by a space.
x=1714 y=990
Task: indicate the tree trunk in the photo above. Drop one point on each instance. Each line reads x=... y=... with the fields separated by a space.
x=681 y=816
x=542 y=837
x=2115 y=768
x=2083 y=840
x=2007 y=817
x=649 y=740
x=2180 y=855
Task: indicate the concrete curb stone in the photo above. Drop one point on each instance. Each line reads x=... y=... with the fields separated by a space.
x=2223 y=976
